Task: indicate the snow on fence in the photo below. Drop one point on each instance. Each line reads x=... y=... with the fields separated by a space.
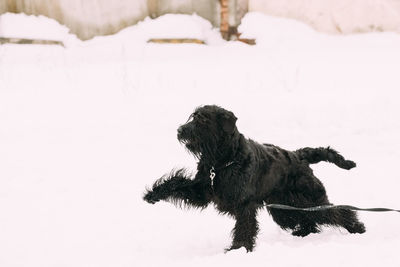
x=88 y=18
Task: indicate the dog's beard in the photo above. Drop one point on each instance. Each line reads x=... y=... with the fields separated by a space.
x=192 y=147
x=203 y=148
x=203 y=142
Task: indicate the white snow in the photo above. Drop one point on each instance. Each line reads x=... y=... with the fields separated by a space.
x=34 y=27
x=167 y=26
x=84 y=129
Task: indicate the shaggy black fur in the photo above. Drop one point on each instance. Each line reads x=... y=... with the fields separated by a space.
x=248 y=176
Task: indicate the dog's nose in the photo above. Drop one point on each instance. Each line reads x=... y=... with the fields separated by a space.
x=180 y=130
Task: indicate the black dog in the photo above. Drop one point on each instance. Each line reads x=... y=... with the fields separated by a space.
x=240 y=176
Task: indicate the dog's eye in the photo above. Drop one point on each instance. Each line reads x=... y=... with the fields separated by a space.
x=201 y=119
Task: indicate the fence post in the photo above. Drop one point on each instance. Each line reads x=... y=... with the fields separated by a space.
x=152 y=7
x=224 y=26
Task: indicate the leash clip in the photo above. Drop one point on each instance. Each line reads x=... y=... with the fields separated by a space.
x=212 y=175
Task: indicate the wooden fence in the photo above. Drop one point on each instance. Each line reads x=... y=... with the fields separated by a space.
x=89 y=18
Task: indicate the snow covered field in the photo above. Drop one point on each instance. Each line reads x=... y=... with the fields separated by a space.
x=84 y=129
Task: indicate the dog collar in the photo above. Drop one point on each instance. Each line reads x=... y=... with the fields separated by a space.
x=212 y=171
x=223 y=167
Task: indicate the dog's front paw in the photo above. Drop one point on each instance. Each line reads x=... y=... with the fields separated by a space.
x=150 y=197
x=348 y=164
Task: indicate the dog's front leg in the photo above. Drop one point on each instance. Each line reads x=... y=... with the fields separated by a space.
x=246 y=228
x=180 y=189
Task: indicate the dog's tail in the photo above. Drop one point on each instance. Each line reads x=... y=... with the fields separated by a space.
x=315 y=155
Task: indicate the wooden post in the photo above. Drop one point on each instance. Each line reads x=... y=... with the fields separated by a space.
x=224 y=27
x=152 y=7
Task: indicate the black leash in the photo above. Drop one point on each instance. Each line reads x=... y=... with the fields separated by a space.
x=328 y=207
x=316 y=208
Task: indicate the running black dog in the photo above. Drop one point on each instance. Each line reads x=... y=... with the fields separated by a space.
x=240 y=176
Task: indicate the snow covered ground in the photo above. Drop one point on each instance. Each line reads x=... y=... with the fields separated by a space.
x=84 y=129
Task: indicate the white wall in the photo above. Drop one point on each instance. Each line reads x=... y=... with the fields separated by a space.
x=205 y=8
x=336 y=16
x=92 y=17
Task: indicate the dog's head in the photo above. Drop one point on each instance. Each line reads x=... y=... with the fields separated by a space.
x=207 y=129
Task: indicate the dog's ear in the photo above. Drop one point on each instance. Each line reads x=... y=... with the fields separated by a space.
x=228 y=121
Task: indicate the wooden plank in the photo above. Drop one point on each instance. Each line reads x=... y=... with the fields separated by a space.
x=176 y=41
x=5 y=40
x=247 y=41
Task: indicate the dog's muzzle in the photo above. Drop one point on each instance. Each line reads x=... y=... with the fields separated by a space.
x=181 y=133
x=185 y=132
x=185 y=136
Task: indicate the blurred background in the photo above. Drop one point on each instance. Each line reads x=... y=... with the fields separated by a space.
x=88 y=18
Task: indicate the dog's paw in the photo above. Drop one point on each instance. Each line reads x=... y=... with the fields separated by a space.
x=301 y=233
x=348 y=164
x=238 y=246
x=305 y=231
x=150 y=197
x=356 y=228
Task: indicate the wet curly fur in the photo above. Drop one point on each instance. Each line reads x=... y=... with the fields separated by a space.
x=248 y=176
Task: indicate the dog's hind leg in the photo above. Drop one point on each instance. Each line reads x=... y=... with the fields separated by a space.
x=246 y=228
x=300 y=223
x=180 y=189
x=348 y=220
x=315 y=155
x=344 y=218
